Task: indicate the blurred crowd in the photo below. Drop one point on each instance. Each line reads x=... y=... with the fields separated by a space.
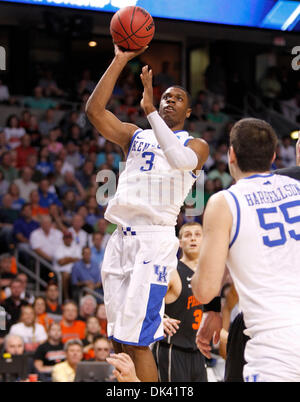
x=49 y=159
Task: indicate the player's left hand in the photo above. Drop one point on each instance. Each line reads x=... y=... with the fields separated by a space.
x=210 y=328
x=171 y=325
x=124 y=367
x=147 y=100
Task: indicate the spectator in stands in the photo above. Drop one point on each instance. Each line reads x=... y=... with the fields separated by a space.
x=75 y=134
x=24 y=226
x=49 y=85
x=71 y=327
x=54 y=146
x=8 y=216
x=102 y=349
x=25 y=184
x=102 y=227
x=92 y=331
x=86 y=273
x=87 y=307
x=48 y=123
x=53 y=308
x=13 y=131
x=4 y=92
x=46 y=197
x=93 y=210
x=45 y=240
x=6 y=276
x=102 y=318
x=14 y=345
x=25 y=295
x=86 y=83
x=7 y=168
x=66 y=166
x=72 y=184
x=287 y=152
x=73 y=156
x=13 y=304
x=4 y=147
x=38 y=101
x=97 y=249
x=164 y=78
x=33 y=334
x=209 y=189
x=25 y=119
x=49 y=353
x=45 y=166
x=23 y=150
x=14 y=192
x=4 y=184
x=84 y=174
x=80 y=237
x=83 y=212
x=216 y=78
x=32 y=161
x=36 y=210
x=220 y=172
x=69 y=205
x=66 y=371
x=41 y=315
x=65 y=255
x=198 y=114
x=216 y=116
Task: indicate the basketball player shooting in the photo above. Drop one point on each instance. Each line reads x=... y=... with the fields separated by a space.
x=141 y=253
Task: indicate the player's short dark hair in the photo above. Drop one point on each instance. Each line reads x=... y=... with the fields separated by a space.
x=254 y=142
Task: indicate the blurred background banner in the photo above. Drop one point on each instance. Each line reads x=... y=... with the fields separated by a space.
x=273 y=14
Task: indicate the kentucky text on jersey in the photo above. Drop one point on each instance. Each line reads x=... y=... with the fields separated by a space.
x=269 y=197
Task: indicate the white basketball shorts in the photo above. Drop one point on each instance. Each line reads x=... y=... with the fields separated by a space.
x=135 y=275
x=273 y=356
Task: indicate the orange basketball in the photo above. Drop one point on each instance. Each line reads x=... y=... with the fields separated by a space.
x=132 y=28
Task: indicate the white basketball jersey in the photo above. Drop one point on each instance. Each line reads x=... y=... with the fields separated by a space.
x=150 y=191
x=264 y=253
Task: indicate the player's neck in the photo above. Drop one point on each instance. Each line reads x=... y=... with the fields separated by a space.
x=191 y=261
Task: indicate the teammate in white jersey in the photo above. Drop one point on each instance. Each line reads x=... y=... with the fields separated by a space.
x=142 y=251
x=257 y=236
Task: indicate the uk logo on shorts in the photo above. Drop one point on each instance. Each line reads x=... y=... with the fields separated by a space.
x=161 y=273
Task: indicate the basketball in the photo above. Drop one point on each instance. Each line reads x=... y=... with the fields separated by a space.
x=132 y=28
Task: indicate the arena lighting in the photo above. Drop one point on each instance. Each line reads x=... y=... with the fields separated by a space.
x=92 y=43
x=295 y=135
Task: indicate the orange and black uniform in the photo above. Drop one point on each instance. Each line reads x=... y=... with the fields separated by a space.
x=177 y=357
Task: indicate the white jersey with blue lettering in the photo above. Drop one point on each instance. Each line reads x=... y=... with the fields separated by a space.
x=264 y=253
x=150 y=191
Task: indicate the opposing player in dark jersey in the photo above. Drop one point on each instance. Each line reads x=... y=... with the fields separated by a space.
x=177 y=356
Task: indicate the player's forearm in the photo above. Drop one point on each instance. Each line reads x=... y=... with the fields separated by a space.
x=99 y=98
x=178 y=156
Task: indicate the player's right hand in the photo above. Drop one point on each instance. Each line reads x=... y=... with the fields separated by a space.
x=171 y=325
x=124 y=367
x=128 y=54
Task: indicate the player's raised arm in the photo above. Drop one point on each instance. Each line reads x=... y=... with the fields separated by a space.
x=102 y=119
x=174 y=109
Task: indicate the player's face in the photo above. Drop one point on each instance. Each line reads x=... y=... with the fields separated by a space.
x=174 y=106
x=191 y=239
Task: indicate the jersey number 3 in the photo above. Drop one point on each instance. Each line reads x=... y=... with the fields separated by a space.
x=286 y=210
x=149 y=162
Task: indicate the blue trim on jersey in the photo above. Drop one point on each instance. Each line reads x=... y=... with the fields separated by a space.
x=152 y=317
x=186 y=141
x=134 y=343
x=238 y=222
x=179 y=131
x=193 y=174
x=259 y=175
x=131 y=141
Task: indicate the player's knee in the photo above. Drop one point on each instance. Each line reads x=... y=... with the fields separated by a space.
x=133 y=350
